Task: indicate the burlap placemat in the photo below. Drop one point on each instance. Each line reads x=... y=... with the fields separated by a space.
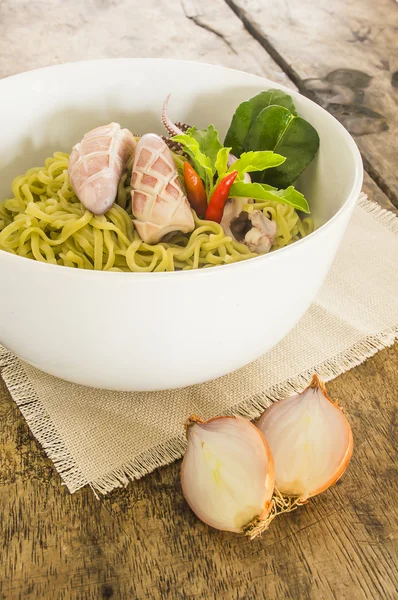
x=104 y=439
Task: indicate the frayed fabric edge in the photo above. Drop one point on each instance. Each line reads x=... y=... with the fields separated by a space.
x=39 y=421
x=382 y=215
x=251 y=408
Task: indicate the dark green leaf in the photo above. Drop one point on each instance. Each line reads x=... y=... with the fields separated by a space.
x=247 y=112
x=297 y=140
x=299 y=144
x=268 y=128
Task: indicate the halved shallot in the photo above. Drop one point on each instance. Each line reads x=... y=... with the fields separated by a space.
x=310 y=439
x=227 y=475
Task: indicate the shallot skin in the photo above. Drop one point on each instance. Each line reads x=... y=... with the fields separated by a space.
x=96 y=165
x=159 y=204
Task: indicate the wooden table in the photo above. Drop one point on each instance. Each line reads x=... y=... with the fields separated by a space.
x=143 y=542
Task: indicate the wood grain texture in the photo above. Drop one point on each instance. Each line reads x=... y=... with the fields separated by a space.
x=374 y=193
x=142 y=542
x=46 y=32
x=344 y=55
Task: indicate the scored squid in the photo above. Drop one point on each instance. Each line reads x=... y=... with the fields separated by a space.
x=96 y=165
x=159 y=204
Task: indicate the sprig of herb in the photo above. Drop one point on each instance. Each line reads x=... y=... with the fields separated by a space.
x=210 y=160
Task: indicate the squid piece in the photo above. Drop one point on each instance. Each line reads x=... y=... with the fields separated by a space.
x=96 y=165
x=158 y=201
x=261 y=235
x=232 y=210
x=253 y=229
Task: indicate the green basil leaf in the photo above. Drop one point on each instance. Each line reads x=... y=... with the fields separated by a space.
x=208 y=141
x=295 y=198
x=247 y=112
x=202 y=163
x=259 y=191
x=293 y=137
x=221 y=163
x=256 y=161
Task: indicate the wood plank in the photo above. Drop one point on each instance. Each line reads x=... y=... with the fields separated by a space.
x=345 y=55
x=57 y=32
x=374 y=193
x=142 y=542
x=208 y=31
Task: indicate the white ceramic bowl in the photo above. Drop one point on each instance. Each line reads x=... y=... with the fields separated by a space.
x=153 y=331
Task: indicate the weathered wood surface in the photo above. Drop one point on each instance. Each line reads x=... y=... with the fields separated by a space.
x=345 y=55
x=46 y=32
x=143 y=542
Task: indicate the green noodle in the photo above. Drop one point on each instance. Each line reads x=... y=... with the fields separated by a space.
x=45 y=221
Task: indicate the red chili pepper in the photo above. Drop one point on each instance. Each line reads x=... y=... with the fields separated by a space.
x=195 y=191
x=219 y=198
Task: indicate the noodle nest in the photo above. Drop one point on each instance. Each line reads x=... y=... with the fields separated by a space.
x=45 y=221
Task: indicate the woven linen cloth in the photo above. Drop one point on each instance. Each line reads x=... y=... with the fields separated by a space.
x=104 y=439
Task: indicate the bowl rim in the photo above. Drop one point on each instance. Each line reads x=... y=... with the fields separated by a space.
x=149 y=276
